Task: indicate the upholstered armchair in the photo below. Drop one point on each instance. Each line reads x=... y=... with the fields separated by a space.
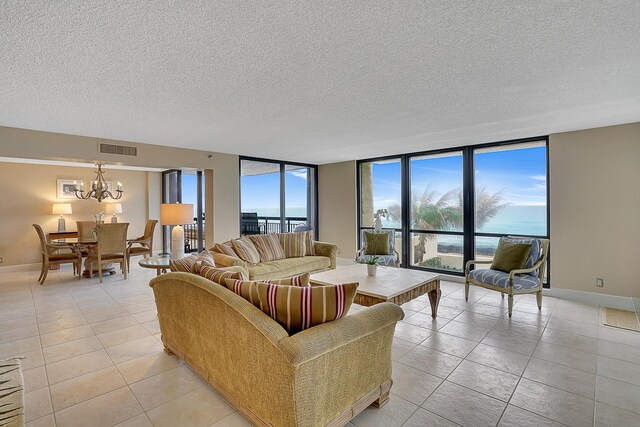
x=143 y=245
x=391 y=258
x=520 y=281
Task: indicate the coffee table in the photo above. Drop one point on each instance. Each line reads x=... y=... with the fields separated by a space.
x=390 y=284
x=160 y=263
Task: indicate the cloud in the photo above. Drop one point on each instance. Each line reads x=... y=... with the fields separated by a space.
x=539 y=178
x=300 y=173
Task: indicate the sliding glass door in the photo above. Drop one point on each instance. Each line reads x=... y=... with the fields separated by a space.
x=276 y=196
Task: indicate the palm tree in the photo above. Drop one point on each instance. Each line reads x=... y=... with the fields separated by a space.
x=428 y=212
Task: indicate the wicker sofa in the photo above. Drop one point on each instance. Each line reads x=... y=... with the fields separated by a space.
x=321 y=376
x=324 y=258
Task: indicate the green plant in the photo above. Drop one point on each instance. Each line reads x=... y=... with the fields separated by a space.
x=373 y=260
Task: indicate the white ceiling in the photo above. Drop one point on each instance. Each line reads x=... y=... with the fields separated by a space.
x=318 y=81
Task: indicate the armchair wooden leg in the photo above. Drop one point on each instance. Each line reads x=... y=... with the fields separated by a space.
x=510 y=304
x=45 y=271
x=466 y=290
x=128 y=262
x=100 y=270
x=539 y=299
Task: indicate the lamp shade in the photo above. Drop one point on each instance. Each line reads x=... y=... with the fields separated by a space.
x=114 y=208
x=61 y=209
x=176 y=213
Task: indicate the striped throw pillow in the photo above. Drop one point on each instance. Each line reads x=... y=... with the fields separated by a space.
x=310 y=250
x=225 y=248
x=293 y=244
x=268 y=246
x=297 y=309
x=205 y=258
x=248 y=289
x=186 y=264
x=246 y=250
x=218 y=275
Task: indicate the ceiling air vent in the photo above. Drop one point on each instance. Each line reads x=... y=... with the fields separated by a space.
x=120 y=150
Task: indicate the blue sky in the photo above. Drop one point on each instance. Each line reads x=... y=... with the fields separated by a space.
x=263 y=191
x=519 y=176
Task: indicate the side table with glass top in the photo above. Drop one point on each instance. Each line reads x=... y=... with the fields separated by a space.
x=160 y=263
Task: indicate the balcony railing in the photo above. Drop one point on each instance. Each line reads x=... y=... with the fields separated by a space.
x=266 y=224
x=271 y=224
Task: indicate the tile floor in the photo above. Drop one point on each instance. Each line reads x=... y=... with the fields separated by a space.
x=93 y=357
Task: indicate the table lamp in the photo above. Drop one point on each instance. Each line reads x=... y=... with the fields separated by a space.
x=61 y=209
x=176 y=214
x=114 y=208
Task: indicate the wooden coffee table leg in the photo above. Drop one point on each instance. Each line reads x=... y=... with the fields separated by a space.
x=434 y=299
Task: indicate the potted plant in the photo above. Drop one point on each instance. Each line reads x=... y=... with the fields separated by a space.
x=372 y=265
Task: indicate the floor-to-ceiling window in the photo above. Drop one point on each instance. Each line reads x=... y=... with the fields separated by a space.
x=381 y=184
x=510 y=193
x=277 y=196
x=450 y=206
x=436 y=212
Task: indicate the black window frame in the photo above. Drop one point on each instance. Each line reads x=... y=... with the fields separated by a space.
x=468 y=195
x=283 y=164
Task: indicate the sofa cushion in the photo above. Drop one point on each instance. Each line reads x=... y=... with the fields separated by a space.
x=510 y=256
x=246 y=250
x=294 y=244
x=287 y=267
x=225 y=248
x=299 y=308
x=248 y=289
x=268 y=246
x=186 y=264
x=205 y=258
x=309 y=247
x=501 y=279
x=218 y=275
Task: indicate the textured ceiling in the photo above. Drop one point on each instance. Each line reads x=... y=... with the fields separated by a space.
x=318 y=81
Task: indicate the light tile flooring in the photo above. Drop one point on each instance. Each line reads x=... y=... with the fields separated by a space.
x=93 y=357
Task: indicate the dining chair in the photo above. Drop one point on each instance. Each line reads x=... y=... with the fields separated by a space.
x=51 y=256
x=145 y=241
x=111 y=247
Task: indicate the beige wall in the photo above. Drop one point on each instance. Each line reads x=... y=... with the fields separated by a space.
x=337 y=206
x=222 y=196
x=29 y=191
x=595 y=209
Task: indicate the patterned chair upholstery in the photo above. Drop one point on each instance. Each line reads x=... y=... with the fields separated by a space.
x=527 y=280
x=392 y=259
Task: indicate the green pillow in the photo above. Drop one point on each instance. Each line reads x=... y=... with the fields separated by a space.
x=377 y=243
x=510 y=256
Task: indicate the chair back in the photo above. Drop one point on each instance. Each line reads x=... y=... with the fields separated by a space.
x=85 y=230
x=148 y=232
x=43 y=239
x=112 y=238
x=392 y=239
x=249 y=223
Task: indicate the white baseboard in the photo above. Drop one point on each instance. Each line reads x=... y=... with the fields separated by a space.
x=605 y=300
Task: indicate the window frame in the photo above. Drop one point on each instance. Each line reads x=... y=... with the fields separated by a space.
x=282 y=164
x=468 y=200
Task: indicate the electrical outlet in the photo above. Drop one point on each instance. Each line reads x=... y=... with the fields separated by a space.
x=599 y=283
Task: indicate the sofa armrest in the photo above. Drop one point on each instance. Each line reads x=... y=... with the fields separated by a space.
x=327 y=249
x=319 y=340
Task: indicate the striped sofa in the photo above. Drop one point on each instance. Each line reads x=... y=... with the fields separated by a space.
x=324 y=258
x=321 y=376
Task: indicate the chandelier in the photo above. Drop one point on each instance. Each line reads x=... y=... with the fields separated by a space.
x=99 y=188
